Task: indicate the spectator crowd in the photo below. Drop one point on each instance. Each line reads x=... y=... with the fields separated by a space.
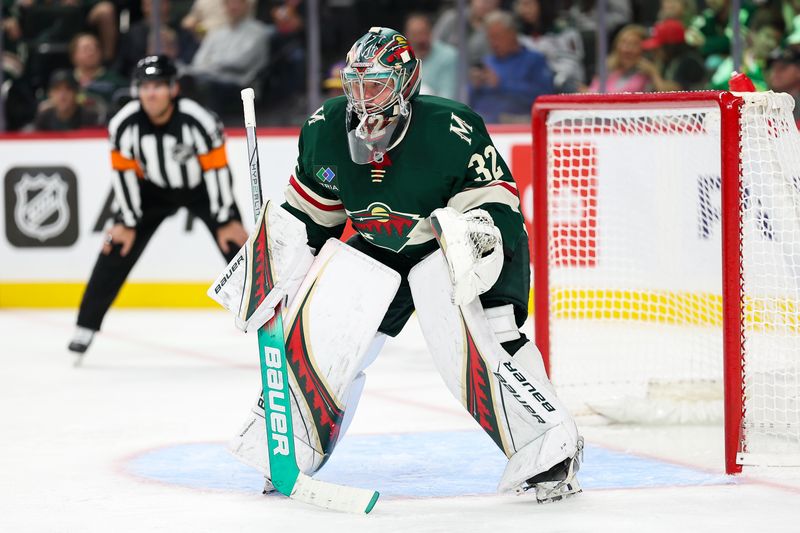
x=67 y=63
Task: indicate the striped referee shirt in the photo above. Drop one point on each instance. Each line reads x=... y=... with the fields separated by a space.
x=184 y=153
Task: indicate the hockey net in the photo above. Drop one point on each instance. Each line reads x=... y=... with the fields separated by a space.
x=670 y=258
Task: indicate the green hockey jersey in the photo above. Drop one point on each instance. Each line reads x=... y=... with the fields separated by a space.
x=445 y=157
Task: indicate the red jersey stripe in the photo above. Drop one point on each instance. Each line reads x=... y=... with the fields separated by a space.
x=310 y=199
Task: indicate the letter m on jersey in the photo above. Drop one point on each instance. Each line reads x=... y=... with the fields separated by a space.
x=461 y=128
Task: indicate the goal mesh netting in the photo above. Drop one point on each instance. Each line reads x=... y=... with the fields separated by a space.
x=634 y=263
x=770 y=278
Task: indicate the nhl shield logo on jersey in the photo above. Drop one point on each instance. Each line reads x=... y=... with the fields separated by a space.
x=384 y=227
x=182 y=153
x=44 y=207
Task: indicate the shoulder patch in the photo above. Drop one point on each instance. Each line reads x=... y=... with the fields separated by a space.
x=460 y=127
x=316 y=116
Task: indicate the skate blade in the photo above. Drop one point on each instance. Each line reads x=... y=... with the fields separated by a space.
x=550 y=497
x=549 y=492
x=269 y=488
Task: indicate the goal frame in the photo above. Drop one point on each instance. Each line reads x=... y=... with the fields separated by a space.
x=730 y=106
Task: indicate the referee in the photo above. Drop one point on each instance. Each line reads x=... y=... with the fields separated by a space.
x=167 y=152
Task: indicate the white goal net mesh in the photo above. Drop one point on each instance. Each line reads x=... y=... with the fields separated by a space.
x=770 y=207
x=635 y=265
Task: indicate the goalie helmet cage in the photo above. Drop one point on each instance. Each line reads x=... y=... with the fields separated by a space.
x=667 y=236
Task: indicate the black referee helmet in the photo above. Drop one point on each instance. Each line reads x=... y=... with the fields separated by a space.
x=158 y=67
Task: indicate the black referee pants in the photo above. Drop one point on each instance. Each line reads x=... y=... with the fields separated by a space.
x=110 y=271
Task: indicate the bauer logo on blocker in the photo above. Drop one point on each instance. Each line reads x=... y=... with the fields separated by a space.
x=41 y=206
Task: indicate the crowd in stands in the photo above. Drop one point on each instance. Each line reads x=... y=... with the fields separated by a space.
x=67 y=63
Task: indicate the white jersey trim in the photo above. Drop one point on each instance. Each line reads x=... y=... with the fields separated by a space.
x=498 y=192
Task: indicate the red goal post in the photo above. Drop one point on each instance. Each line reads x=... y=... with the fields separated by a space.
x=608 y=173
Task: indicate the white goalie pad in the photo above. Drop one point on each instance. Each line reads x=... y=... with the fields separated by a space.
x=268 y=268
x=330 y=329
x=510 y=397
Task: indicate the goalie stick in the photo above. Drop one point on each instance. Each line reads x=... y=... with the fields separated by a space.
x=285 y=475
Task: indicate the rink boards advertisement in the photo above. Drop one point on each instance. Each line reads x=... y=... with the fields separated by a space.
x=663 y=206
x=57 y=204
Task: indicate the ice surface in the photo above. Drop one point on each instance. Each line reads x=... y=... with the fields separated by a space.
x=134 y=441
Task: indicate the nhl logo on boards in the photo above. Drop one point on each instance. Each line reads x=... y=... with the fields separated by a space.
x=41 y=206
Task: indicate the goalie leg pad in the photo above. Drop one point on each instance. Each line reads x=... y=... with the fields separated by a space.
x=510 y=397
x=354 y=395
x=327 y=347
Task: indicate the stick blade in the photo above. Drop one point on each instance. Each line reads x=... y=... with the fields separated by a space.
x=331 y=496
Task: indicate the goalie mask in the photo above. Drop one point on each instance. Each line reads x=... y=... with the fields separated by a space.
x=381 y=77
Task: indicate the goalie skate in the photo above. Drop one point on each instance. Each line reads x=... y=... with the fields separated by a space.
x=558 y=482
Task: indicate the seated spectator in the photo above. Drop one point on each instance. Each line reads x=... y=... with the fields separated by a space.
x=11 y=51
x=97 y=85
x=102 y=17
x=446 y=28
x=709 y=31
x=281 y=83
x=784 y=74
x=563 y=47
x=19 y=100
x=439 y=60
x=287 y=17
x=230 y=57
x=342 y=27
x=677 y=66
x=684 y=11
x=582 y=14
x=628 y=71
x=134 y=43
x=505 y=86
x=10 y=27
x=46 y=17
x=791 y=18
x=287 y=48
x=764 y=36
x=62 y=111
x=207 y=15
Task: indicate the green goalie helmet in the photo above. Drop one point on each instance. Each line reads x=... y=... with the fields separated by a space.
x=380 y=78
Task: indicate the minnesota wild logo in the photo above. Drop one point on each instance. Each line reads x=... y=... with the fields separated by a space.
x=384 y=227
